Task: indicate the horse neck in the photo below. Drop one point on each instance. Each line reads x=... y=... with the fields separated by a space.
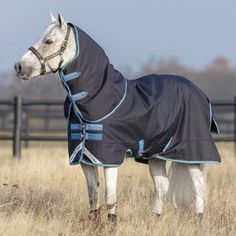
x=70 y=51
x=104 y=85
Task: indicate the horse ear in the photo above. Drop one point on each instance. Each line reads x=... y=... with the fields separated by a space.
x=53 y=18
x=61 y=21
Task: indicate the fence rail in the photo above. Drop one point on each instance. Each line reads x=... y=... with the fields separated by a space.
x=16 y=116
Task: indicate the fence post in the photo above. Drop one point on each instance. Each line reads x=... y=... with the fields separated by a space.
x=26 y=129
x=235 y=126
x=17 y=126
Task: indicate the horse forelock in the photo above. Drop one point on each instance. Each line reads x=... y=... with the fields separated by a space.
x=49 y=30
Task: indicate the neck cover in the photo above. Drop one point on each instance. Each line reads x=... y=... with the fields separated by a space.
x=156 y=116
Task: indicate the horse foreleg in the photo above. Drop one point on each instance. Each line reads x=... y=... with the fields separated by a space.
x=91 y=175
x=110 y=191
x=199 y=182
x=157 y=170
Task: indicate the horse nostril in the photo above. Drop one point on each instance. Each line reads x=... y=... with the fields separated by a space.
x=17 y=67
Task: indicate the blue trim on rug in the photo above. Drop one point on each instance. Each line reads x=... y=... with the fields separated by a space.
x=76 y=109
x=77 y=46
x=167 y=145
x=129 y=151
x=212 y=118
x=110 y=113
x=184 y=161
x=210 y=108
x=77 y=152
x=217 y=127
x=99 y=165
x=69 y=112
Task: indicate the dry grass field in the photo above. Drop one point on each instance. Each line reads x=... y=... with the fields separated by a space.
x=41 y=195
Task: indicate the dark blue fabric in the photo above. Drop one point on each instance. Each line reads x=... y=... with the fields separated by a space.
x=169 y=113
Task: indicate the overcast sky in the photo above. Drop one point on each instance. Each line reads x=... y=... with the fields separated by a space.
x=130 y=31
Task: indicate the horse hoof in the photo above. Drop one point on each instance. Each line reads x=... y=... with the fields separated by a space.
x=158 y=215
x=94 y=215
x=200 y=216
x=112 y=218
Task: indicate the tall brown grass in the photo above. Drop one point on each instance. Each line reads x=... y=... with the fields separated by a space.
x=41 y=195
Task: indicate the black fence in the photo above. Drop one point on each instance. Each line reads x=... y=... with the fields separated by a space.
x=25 y=121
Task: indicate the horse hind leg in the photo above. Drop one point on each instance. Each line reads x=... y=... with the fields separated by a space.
x=158 y=173
x=180 y=185
x=91 y=175
x=199 y=187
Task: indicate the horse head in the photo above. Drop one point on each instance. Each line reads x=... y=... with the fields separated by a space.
x=49 y=53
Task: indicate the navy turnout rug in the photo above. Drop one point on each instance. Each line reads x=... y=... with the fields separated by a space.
x=109 y=115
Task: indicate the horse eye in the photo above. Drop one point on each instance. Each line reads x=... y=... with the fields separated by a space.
x=48 y=41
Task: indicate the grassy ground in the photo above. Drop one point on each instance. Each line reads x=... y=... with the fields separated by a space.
x=41 y=195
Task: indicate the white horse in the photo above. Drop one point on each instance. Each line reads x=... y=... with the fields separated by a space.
x=52 y=56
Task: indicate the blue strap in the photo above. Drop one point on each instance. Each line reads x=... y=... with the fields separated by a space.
x=71 y=76
x=76 y=136
x=96 y=127
x=75 y=127
x=90 y=127
x=79 y=96
x=141 y=147
x=88 y=136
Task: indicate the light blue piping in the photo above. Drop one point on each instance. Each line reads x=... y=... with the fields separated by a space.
x=213 y=118
x=79 y=114
x=167 y=145
x=99 y=165
x=82 y=154
x=184 y=161
x=129 y=151
x=69 y=112
x=77 y=48
x=81 y=160
x=110 y=113
x=210 y=116
x=217 y=127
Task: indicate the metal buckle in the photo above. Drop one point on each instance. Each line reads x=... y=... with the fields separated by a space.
x=63 y=46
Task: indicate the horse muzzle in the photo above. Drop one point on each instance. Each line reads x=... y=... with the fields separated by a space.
x=22 y=72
